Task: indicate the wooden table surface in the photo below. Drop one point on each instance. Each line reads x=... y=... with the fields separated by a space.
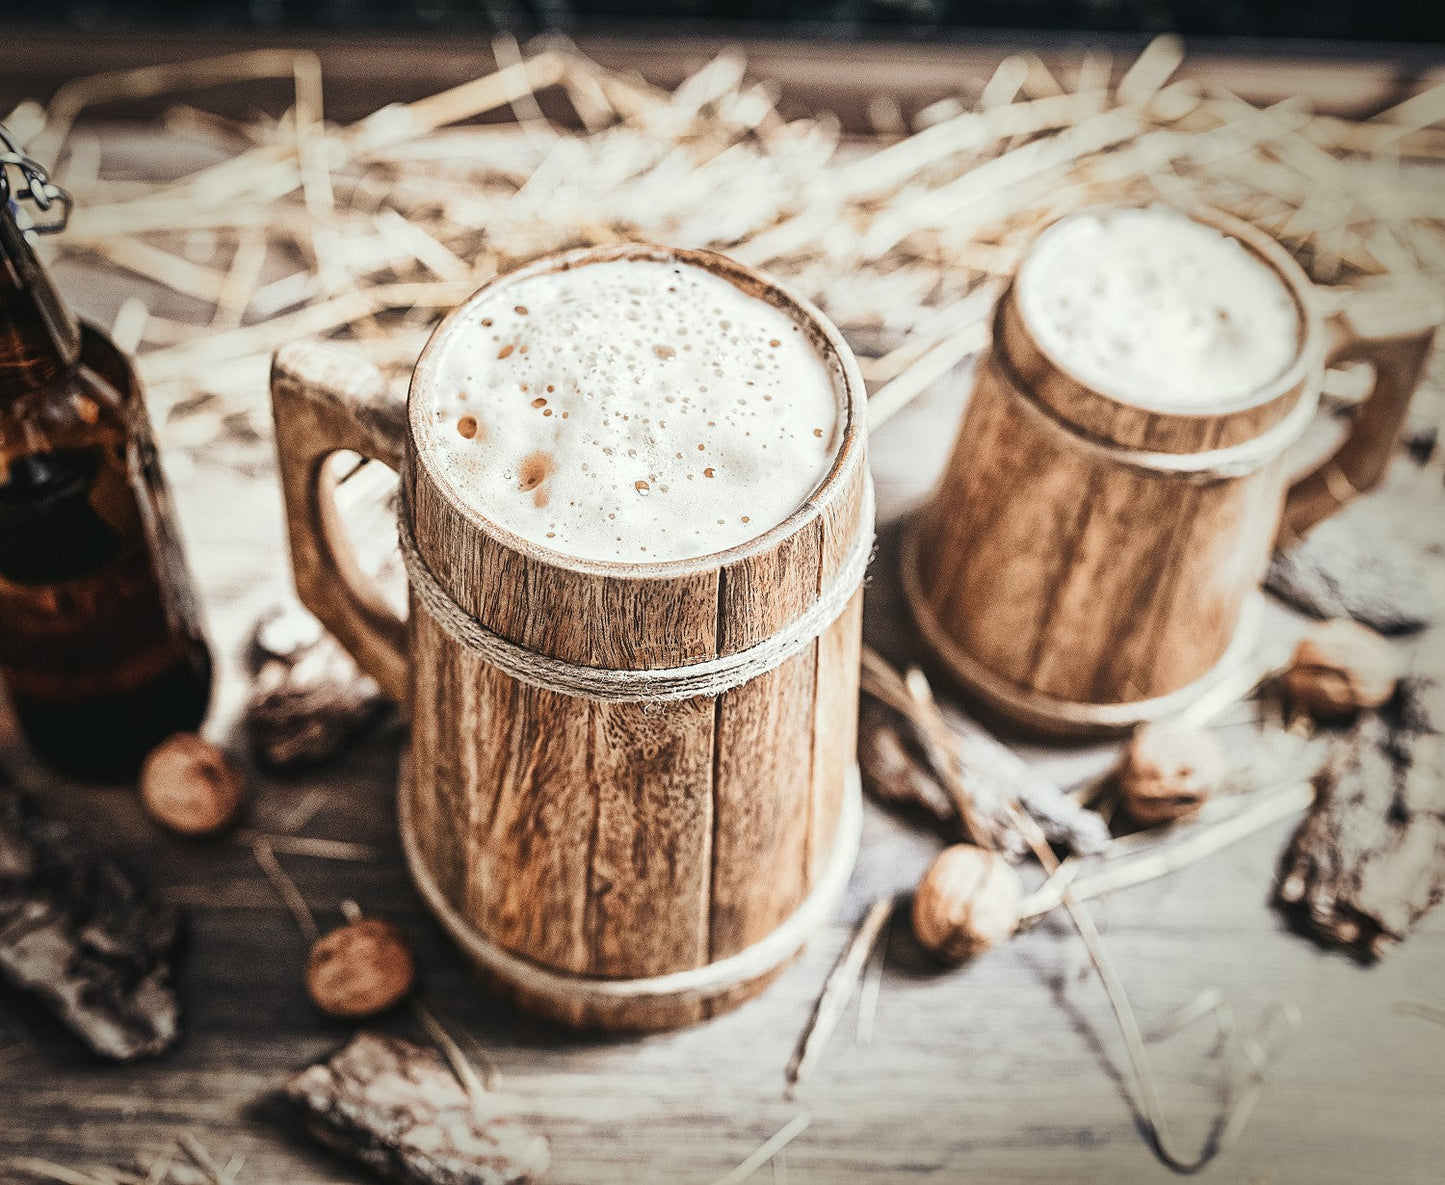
x=1010 y=1068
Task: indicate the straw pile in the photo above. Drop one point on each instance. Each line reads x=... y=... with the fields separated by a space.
x=367 y=233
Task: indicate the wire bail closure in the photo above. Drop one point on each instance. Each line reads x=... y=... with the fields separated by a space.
x=39 y=188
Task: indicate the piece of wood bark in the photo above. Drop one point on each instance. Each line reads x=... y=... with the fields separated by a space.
x=396 y=1108
x=1369 y=860
x=308 y=698
x=997 y=774
x=1361 y=565
x=81 y=935
x=933 y=748
x=895 y=767
x=913 y=752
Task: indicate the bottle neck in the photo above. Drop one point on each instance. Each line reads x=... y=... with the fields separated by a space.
x=39 y=338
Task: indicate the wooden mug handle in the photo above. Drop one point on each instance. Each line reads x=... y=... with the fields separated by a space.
x=325 y=399
x=1393 y=330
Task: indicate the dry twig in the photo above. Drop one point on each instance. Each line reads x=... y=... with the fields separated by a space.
x=1266 y=807
x=1231 y=1122
x=286 y=889
x=838 y=990
x=394 y=218
x=768 y=1149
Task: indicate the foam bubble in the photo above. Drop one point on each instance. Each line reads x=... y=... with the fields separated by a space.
x=632 y=410
x=1157 y=309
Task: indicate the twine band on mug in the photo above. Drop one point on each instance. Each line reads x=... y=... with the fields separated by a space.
x=1234 y=460
x=710 y=677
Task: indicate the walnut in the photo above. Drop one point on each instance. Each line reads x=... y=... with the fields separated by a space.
x=1168 y=773
x=360 y=969
x=190 y=786
x=1340 y=667
x=968 y=900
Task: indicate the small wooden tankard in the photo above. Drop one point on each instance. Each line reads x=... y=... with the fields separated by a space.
x=625 y=859
x=1087 y=564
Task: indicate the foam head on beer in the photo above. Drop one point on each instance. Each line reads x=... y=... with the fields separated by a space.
x=1157 y=309
x=631 y=411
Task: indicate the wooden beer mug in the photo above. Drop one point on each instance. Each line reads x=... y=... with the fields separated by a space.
x=1087 y=564
x=630 y=792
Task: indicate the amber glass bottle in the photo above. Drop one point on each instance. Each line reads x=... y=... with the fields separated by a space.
x=101 y=647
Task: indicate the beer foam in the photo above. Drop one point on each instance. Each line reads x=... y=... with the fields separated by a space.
x=631 y=411
x=1156 y=309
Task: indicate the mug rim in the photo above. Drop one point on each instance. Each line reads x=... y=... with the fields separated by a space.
x=847 y=381
x=1309 y=336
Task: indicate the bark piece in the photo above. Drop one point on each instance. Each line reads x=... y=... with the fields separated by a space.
x=895 y=767
x=396 y=1108
x=996 y=773
x=81 y=935
x=308 y=698
x=1369 y=860
x=1359 y=565
x=901 y=764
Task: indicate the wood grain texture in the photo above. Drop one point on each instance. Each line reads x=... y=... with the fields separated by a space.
x=1006 y=1070
x=614 y=840
x=1103 y=417
x=325 y=400
x=762 y=765
x=1083 y=558
x=835 y=697
x=835 y=730
x=652 y=839
x=1393 y=332
x=762 y=790
x=1086 y=581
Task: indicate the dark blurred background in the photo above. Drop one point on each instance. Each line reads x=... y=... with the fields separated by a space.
x=1400 y=21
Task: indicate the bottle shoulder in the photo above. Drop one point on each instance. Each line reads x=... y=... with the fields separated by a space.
x=82 y=408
